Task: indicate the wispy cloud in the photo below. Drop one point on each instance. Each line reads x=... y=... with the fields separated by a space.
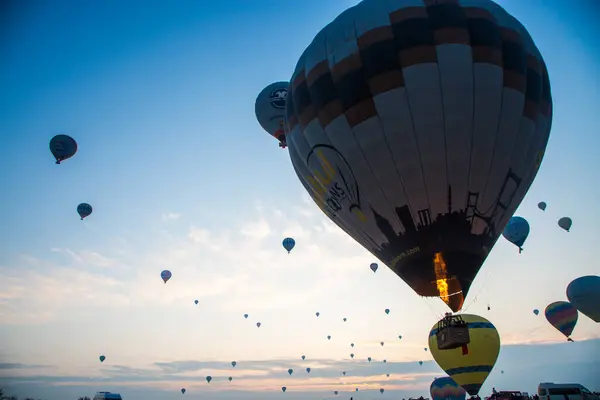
x=170 y=216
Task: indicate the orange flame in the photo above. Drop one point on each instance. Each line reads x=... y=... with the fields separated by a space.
x=441 y=277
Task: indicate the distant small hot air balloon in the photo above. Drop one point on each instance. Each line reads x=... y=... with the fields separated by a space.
x=351 y=344
x=335 y=392
x=245 y=315
x=563 y=316
x=384 y=361
x=565 y=223
x=165 y=275
x=195 y=301
x=102 y=358
x=308 y=370
x=183 y=391
x=63 y=147
x=387 y=310
x=516 y=232
x=381 y=390
x=230 y=378
x=536 y=311
x=584 y=294
x=344 y=319
x=270 y=110
x=425 y=348
x=303 y=357
x=258 y=324
x=542 y=205
x=374 y=267
x=381 y=343
x=369 y=359
x=290 y=371
x=317 y=313
x=328 y=337
x=356 y=389
x=84 y=210
x=420 y=362
x=388 y=375
x=288 y=244
x=233 y=364
x=344 y=373
x=283 y=389
x=399 y=336
x=351 y=355
x=208 y=378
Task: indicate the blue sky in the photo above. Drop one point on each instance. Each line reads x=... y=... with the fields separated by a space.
x=160 y=98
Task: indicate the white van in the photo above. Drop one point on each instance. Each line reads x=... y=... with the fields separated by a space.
x=565 y=391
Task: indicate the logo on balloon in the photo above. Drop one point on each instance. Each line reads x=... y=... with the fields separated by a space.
x=333 y=180
x=278 y=97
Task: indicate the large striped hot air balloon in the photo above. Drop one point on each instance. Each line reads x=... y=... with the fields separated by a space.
x=418 y=127
x=469 y=365
x=563 y=316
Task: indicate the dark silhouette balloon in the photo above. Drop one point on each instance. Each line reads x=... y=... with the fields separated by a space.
x=62 y=147
x=418 y=130
x=84 y=210
x=584 y=294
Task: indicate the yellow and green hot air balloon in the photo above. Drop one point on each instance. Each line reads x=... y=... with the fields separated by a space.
x=470 y=364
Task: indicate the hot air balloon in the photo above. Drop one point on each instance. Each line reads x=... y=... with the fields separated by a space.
x=195 y=301
x=317 y=313
x=536 y=311
x=308 y=370
x=230 y=378
x=183 y=391
x=516 y=232
x=356 y=389
x=84 y=210
x=388 y=375
x=208 y=379
x=416 y=143
x=384 y=361
x=399 y=336
x=165 y=275
x=351 y=355
x=335 y=392
x=387 y=310
x=369 y=359
x=469 y=364
x=542 y=205
x=303 y=358
x=381 y=390
x=446 y=389
x=258 y=324
x=565 y=223
x=344 y=373
x=270 y=110
x=102 y=358
x=233 y=364
x=563 y=316
x=245 y=315
x=288 y=244
x=381 y=343
x=351 y=344
x=425 y=348
x=283 y=389
x=420 y=362
x=290 y=371
x=344 y=319
x=584 y=294
x=63 y=147
x=374 y=267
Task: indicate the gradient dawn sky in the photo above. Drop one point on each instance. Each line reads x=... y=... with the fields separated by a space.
x=160 y=97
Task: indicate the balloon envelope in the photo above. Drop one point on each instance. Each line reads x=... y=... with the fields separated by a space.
x=183 y=391
x=102 y=358
x=584 y=294
x=270 y=110
x=542 y=205
x=414 y=143
x=374 y=267
x=288 y=244
x=563 y=316
x=84 y=210
x=565 y=223
x=516 y=231
x=62 y=147
x=536 y=311
x=470 y=366
x=446 y=389
x=165 y=275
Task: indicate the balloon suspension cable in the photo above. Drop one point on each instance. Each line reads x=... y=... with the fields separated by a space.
x=485 y=279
